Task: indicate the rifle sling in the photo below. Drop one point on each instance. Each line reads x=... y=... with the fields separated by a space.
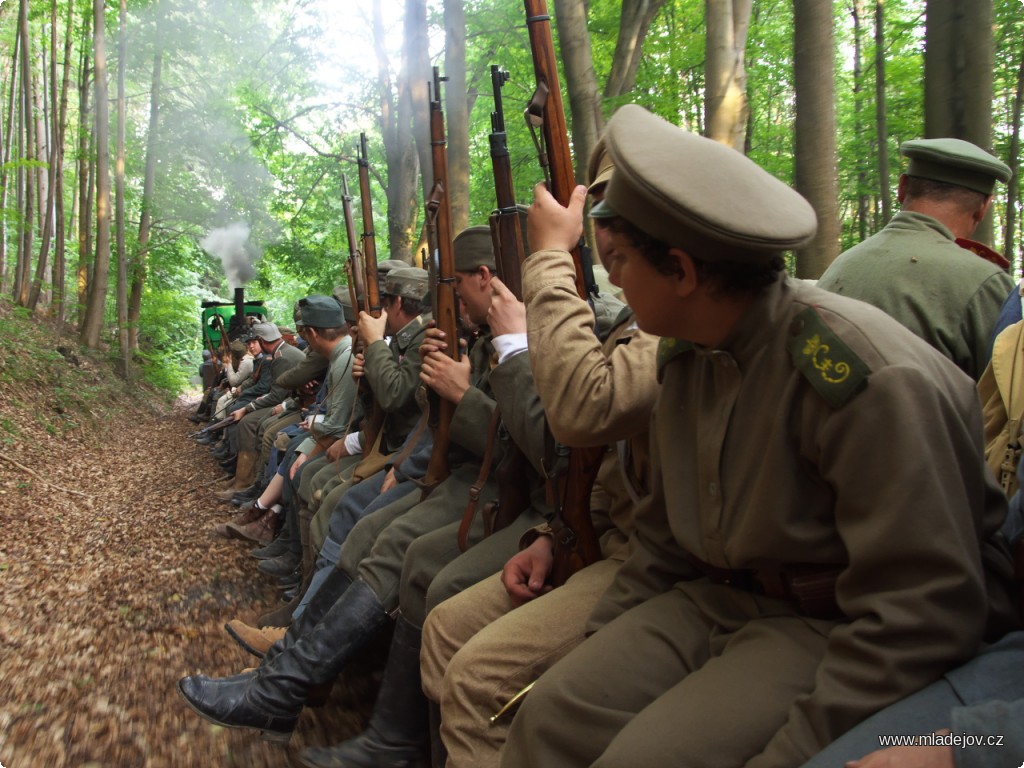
x=477 y=488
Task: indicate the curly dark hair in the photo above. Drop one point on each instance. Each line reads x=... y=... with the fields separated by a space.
x=741 y=272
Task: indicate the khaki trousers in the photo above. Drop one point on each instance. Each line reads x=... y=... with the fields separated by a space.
x=479 y=651
x=702 y=676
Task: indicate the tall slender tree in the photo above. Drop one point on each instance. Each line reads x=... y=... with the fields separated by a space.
x=725 y=74
x=457 y=111
x=92 y=323
x=815 y=131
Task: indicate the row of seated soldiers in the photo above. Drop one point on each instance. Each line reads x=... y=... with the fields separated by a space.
x=803 y=545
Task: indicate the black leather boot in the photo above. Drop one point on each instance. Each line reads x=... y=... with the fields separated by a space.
x=271 y=700
x=225 y=701
x=397 y=736
x=330 y=592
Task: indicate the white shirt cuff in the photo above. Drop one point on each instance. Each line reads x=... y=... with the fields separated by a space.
x=509 y=345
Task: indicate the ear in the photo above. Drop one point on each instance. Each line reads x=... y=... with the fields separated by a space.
x=687 y=277
x=486 y=273
x=980 y=211
x=901 y=190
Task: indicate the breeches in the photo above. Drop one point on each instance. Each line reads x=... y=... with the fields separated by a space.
x=696 y=677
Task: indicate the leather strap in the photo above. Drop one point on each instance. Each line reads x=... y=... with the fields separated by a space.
x=477 y=488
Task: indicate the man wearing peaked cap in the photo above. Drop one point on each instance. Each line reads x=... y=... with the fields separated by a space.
x=480 y=648
x=778 y=589
x=921 y=268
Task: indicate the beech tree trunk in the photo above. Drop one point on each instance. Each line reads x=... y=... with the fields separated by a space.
x=86 y=170
x=958 y=63
x=124 y=351
x=815 y=131
x=27 y=175
x=579 y=80
x=146 y=214
x=881 y=124
x=634 y=21
x=457 y=112
x=1013 y=186
x=725 y=74
x=92 y=323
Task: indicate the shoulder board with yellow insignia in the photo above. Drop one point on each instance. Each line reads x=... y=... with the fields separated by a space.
x=825 y=360
x=668 y=349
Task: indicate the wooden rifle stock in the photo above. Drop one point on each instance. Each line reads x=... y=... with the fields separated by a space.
x=372 y=425
x=506 y=231
x=369 y=239
x=439 y=227
x=579 y=545
x=354 y=268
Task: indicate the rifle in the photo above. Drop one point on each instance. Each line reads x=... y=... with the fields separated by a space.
x=575 y=540
x=354 y=267
x=369 y=240
x=506 y=232
x=371 y=300
x=440 y=235
x=215 y=427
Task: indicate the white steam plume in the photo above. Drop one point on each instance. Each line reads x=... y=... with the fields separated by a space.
x=231 y=245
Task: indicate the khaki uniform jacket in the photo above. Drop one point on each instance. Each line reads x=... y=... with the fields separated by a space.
x=393 y=372
x=776 y=450
x=594 y=393
x=914 y=271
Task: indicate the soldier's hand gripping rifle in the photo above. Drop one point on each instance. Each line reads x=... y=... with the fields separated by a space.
x=575 y=541
x=445 y=309
x=371 y=301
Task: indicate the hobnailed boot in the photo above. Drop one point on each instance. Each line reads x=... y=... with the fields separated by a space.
x=253 y=639
x=397 y=736
x=262 y=530
x=246 y=516
x=272 y=699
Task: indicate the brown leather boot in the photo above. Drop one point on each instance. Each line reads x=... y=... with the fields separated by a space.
x=262 y=530
x=248 y=515
x=256 y=641
x=245 y=471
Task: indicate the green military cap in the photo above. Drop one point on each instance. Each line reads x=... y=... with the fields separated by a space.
x=266 y=331
x=341 y=295
x=321 y=312
x=474 y=249
x=954 y=161
x=407 y=282
x=694 y=193
x=599 y=167
x=238 y=346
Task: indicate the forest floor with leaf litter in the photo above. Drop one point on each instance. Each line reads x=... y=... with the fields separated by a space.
x=112 y=586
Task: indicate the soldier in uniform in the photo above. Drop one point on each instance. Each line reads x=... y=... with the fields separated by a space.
x=481 y=647
x=778 y=588
x=356 y=600
x=922 y=268
x=281 y=356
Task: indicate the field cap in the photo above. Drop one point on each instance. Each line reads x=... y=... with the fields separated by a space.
x=954 y=161
x=341 y=295
x=474 y=249
x=266 y=331
x=238 y=345
x=696 y=194
x=321 y=312
x=407 y=282
x=600 y=166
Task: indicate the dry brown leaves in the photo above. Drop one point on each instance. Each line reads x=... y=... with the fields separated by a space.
x=107 y=600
